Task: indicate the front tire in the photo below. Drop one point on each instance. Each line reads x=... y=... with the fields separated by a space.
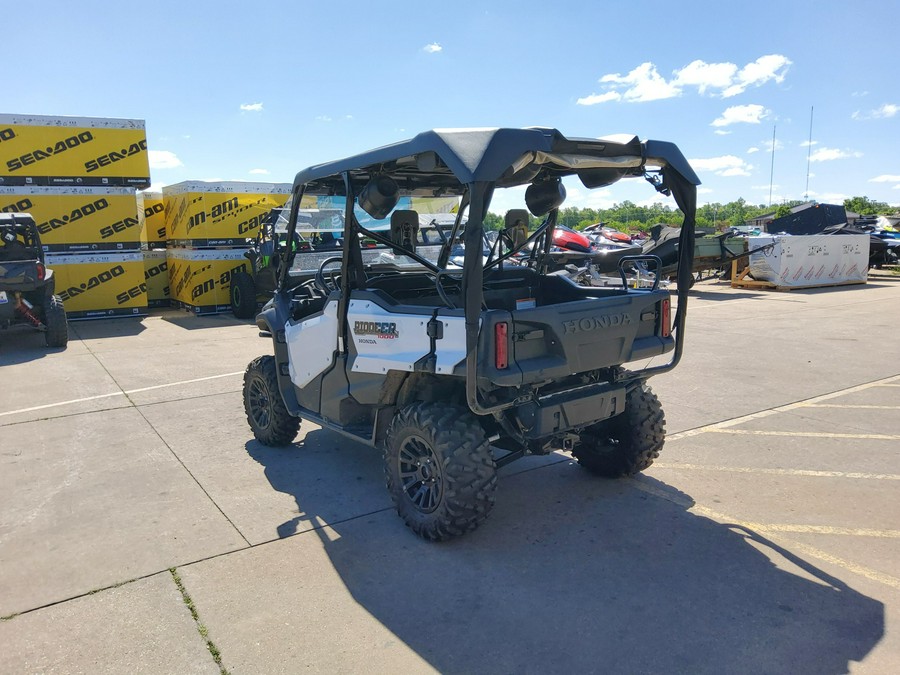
x=267 y=415
x=57 y=335
x=439 y=470
x=243 y=295
x=628 y=443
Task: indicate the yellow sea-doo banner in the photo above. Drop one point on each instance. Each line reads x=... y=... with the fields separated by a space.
x=152 y=216
x=74 y=151
x=102 y=285
x=78 y=219
x=156 y=276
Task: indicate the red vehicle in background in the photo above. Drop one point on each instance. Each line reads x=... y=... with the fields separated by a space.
x=567 y=238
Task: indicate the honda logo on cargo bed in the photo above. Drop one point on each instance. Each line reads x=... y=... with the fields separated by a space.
x=596 y=322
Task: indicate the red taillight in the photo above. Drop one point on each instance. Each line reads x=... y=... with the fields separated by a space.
x=665 y=319
x=501 y=349
x=41 y=272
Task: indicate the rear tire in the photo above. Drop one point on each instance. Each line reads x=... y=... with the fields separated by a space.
x=243 y=295
x=57 y=335
x=267 y=415
x=439 y=470
x=628 y=443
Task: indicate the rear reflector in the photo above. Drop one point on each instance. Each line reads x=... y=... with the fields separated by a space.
x=501 y=348
x=665 y=321
x=41 y=272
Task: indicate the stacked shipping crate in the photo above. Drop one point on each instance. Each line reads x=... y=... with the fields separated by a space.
x=151 y=211
x=78 y=179
x=210 y=226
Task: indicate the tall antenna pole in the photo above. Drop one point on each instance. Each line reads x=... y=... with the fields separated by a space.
x=772 y=172
x=808 y=153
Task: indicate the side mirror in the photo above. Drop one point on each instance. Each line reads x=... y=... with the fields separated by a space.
x=516 y=228
x=404 y=229
x=544 y=196
x=379 y=196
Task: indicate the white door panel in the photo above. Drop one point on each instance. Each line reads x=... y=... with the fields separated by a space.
x=311 y=345
x=386 y=341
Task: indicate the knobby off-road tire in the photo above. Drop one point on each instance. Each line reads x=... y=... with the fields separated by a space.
x=57 y=334
x=628 y=443
x=266 y=413
x=243 y=295
x=439 y=470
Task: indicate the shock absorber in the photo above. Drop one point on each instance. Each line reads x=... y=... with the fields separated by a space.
x=24 y=308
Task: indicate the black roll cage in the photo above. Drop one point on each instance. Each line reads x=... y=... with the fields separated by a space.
x=470 y=164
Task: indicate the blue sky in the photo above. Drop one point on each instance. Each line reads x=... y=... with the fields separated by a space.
x=258 y=90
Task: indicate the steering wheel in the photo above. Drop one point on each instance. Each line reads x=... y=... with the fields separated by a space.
x=327 y=285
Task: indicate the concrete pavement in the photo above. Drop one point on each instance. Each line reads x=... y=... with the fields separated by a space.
x=765 y=539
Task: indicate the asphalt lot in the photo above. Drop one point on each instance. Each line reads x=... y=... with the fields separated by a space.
x=765 y=539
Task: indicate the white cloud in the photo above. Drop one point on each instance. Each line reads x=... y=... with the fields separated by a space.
x=887 y=110
x=252 y=107
x=830 y=154
x=726 y=165
x=752 y=113
x=884 y=111
x=755 y=74
x=885 y=178
x=259 y=172
x=705 y=75
x=594 y=99
x=163 y=159
x=704 y=191
x=806 y=144
x=432 y=48
x=323 y=118
x=750 y=151
x=735 y=171
x=831 y=197
x=721 y=132
x=645 y=83
x=576 y=196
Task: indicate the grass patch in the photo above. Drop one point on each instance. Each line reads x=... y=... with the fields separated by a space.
x=204 y=632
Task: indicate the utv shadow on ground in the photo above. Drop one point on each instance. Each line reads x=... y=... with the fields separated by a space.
x=124 y=326
x=574 y=573
x=196 y=322
x=22 y=344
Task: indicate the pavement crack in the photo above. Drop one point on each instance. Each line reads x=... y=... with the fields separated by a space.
x=195 y=615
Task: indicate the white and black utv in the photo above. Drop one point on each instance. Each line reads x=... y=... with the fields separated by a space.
x=455 y=370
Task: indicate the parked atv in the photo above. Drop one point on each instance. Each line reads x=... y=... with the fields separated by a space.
x=454 y=371
x=26 y=284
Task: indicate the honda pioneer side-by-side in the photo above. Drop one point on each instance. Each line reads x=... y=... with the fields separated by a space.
x=454 y=357
x=26 y=283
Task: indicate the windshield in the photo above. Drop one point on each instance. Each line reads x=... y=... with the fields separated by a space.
x=321 y=229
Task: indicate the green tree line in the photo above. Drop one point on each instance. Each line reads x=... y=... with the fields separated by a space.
x=629 y=217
